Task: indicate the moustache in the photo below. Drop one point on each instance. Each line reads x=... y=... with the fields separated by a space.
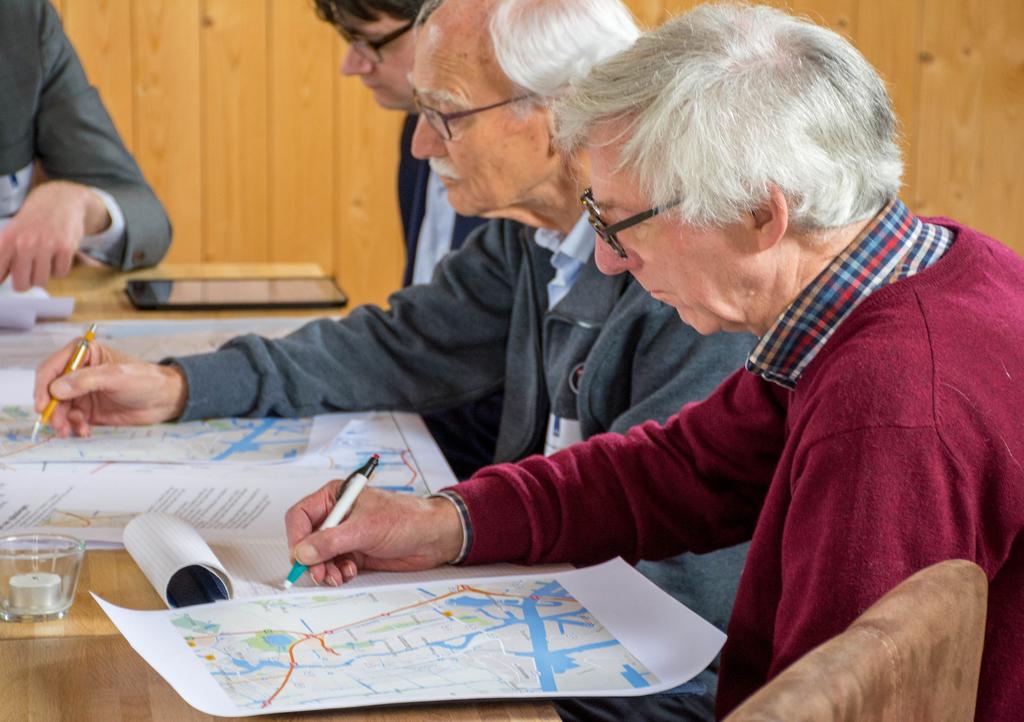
x=444 y=167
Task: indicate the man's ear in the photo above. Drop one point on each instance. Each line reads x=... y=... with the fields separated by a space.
x=770 y=221
x=550 y=125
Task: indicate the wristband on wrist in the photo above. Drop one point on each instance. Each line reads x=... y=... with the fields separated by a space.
x=467 y=526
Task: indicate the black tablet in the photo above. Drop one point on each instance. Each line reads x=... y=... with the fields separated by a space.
x=209 y=294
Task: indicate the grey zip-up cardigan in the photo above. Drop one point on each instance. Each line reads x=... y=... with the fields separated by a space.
x=481 y=325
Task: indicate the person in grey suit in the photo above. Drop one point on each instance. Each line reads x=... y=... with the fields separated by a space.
x=68 y=186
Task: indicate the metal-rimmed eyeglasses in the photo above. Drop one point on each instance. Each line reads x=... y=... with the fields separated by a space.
x=441 y=122
x=607 y=233
x=369 y=50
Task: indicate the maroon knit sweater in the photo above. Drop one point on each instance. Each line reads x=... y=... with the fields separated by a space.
x=902 y=445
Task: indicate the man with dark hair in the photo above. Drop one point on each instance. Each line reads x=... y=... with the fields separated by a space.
x=380 y=53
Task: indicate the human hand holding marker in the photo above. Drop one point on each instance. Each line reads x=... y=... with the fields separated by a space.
x=348 y=492
x=386 y=531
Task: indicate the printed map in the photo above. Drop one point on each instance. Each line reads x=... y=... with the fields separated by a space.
x=213 y=440
x=490 y=638
x=378 y=433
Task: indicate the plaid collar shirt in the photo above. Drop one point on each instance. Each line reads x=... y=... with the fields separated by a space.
x=896 y=245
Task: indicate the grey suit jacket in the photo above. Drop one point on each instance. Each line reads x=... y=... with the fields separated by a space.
x=50 y=113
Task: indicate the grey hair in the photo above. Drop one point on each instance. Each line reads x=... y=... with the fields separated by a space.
x=720 y=103
x=542 y=46
x=545 y=45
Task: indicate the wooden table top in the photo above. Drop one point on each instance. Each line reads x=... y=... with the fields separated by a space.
x=113 y=575
x=80 y=667
x=100 y=679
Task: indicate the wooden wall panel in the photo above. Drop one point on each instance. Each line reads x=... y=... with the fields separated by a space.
x=840 y=15
x=671 y=8
x=948 y=130
x=648 y=12
x=261 y=151
x=301 y=180
x=369 y=246
x=235 y=137
x=102 y=31
x=999 y=191
x=898 y=57
x=167 y=114
x=970 y=152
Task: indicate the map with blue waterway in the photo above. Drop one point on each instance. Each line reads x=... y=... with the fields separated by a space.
x=441 y=640
x=212 y=440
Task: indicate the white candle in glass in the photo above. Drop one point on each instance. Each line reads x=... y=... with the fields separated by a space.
x=34 y=593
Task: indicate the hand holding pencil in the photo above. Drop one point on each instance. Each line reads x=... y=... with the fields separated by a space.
x=72 y=365
x=105 y=387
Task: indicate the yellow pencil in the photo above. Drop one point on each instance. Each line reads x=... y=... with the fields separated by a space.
x=73 y=363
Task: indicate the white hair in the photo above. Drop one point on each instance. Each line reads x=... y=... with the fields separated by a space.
x=724 y=101
x=545 y=45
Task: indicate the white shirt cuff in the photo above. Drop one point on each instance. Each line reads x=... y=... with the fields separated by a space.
x=103 y=243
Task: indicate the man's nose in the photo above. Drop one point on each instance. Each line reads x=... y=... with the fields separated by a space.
x=355 y=64
x=427 y=142
x=608 y=261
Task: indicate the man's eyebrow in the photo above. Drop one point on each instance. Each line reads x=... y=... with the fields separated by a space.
x=441 y=96
x=607 y=204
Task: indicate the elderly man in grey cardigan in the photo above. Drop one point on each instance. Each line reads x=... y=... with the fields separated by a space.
x=521 y=307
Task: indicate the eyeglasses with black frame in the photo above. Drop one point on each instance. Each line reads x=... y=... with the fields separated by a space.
x=607 y=233
x=369 y=50
x=441 y=122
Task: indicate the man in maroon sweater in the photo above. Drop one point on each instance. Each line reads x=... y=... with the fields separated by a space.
x=746 y=170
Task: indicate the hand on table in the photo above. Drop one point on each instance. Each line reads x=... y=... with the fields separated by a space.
x=385 y=531
x=43 y=236
x=109 y=389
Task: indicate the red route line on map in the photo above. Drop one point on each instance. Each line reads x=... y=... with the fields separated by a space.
x=412 y=468
x=319 y=636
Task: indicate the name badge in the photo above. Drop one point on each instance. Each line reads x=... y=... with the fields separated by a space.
x=562 y=433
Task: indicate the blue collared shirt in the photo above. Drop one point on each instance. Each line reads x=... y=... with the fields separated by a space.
x=570 y=253
x=435 y=239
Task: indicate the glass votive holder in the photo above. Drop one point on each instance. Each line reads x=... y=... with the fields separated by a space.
x=38 y=576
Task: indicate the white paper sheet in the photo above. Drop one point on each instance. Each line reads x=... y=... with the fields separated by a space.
x=600 y=631
x=149 y=340
x=96 y=502
x=162 y=545
x=20 y=310
x=16 y=387
x=410 y=460
x=255 y=566
x=235 y=503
